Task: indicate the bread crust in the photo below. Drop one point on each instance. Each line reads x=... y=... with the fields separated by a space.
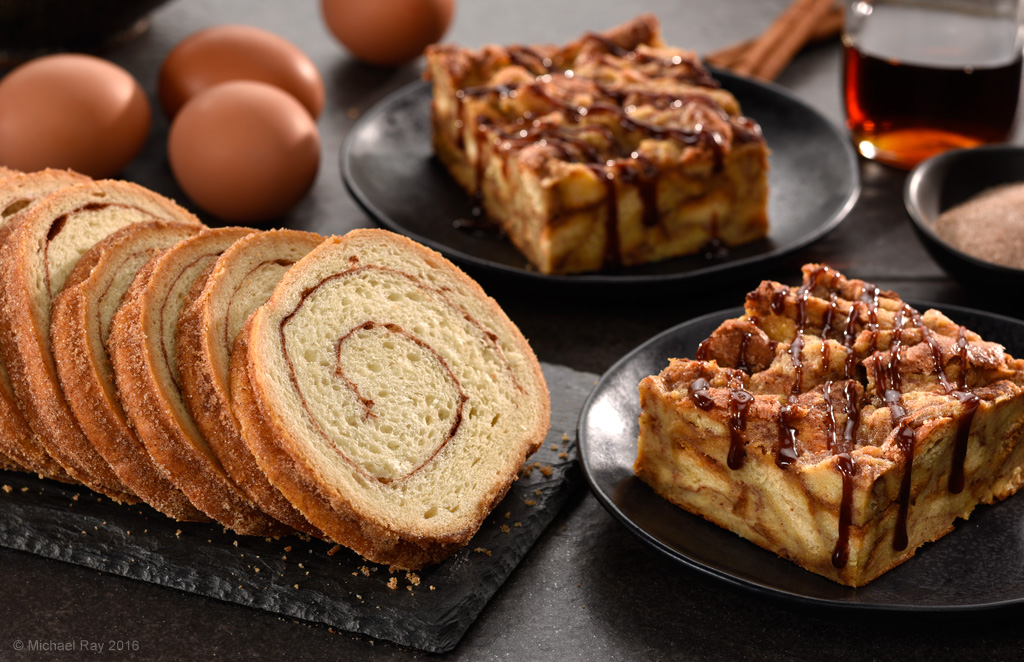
x=86 y=381
x=17 y=442
x=289 y=469
x=26 y=299
x=149 y=406
x=205 y=386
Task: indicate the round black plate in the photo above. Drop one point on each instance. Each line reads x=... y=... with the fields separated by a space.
x=980 y=565
x=389 y=167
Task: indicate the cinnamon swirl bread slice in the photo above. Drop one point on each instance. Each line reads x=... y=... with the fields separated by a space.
x=218 y=305
x=45 y=243
x=143 y=351
x=387 y=397
x=82 y=315
x=17 y=192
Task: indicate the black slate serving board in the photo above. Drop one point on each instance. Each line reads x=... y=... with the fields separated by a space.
x=299 y=578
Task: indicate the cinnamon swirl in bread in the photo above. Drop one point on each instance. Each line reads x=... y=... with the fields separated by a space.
x=240 y=280
x=45 y=243
x=82 y=315
x=387 y=397
x=143 y=352
x=17 y=192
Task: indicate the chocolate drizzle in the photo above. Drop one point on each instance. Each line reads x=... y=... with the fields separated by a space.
x=741 y=362
x=787 y=452
x=841 y=396
x=889 y=383
x=615 y=160
x=970 y=401
x=961 y=392
x=848 y=338
x=739 y=404
x=699 y=394
x=847 y=467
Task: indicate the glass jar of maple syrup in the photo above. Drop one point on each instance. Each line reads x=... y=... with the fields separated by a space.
x=921 y=77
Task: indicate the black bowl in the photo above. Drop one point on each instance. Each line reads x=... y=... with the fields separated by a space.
x=945 y=181
x=29 y=28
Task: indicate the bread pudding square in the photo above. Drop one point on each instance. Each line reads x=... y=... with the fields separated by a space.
x=612 y=150
x=835 y=425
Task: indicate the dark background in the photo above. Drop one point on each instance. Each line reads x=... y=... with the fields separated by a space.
x=588 y=590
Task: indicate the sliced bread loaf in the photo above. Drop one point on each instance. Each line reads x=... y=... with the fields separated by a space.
x=82 y=315
x=388 y=397
x=44 y=245
x=17 y=192
x=239 y=281
x=143 y=352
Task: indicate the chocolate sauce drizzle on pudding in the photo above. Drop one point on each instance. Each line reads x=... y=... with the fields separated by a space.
x=842 y=393
x=614 y=160
x=841 y=448
x=970 y=401
x=888 y=382
x=699 y=394
x=786 y=453
x=739 y=404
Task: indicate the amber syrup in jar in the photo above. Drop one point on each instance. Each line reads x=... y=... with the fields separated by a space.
x=920 y=80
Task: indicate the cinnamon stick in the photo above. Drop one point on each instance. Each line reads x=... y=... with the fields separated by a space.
x=828 y=28
x=776 y=46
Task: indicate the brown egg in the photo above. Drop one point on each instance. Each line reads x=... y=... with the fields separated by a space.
x=387 y=33
x=238 y=52
x=244 y=151
x=71 y=111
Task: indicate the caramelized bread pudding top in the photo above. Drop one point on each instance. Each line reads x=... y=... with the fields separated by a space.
x=620 y=99
x=837 y=368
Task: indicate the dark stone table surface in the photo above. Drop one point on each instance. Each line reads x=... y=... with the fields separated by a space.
x=588 y=590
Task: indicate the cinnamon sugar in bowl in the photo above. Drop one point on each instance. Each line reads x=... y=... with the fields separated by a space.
x=967 y=207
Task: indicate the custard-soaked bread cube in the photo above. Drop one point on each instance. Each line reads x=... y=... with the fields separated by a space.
x=612 y=150
x=835 y=425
